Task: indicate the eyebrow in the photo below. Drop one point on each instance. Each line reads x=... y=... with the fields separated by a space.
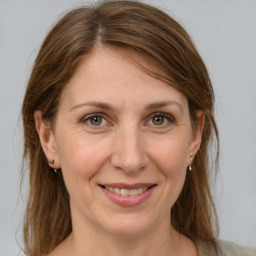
x=105 y=106
x=96 y=104
x=162 y=104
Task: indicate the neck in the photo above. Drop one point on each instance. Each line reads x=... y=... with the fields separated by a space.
x=162 y=240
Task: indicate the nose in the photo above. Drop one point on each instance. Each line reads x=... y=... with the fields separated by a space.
x=129 y=153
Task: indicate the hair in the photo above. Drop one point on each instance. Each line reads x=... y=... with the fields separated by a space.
x=144 y=30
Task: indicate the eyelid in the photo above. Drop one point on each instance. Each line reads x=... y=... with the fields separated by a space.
x=85 y=118
x=170 y=117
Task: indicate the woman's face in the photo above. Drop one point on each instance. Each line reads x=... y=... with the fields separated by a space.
x=123 y=141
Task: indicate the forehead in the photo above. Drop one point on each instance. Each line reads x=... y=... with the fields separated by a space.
x=118 y=76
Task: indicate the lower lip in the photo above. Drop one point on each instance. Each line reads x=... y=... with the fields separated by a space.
x=129 y=201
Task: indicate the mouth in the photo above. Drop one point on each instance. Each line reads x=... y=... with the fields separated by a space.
x=126 y=195
x=128 y=190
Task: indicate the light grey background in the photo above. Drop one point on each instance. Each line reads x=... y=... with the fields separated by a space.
x=225 y=34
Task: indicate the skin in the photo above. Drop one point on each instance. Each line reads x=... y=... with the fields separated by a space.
x=126 y=146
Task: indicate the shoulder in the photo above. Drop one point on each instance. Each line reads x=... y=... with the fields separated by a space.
x=224 y=249
x=232 y=249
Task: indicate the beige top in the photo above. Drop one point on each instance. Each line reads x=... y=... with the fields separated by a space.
x=227 y=249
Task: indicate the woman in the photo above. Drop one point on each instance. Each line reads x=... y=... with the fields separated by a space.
x=118 y=120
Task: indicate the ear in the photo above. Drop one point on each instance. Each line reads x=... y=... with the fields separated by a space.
x=197 y=133
x=47 y=139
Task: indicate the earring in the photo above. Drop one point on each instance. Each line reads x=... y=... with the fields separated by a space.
x=52 y=162
x=191 y=158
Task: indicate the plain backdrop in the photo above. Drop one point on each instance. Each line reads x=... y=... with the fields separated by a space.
x=224 y=32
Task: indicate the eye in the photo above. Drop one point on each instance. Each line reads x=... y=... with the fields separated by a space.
x=160 y=119
x=94 y=120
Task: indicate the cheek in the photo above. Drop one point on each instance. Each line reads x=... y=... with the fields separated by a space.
x=81 y=158
x=80 y=161
x=171 y=156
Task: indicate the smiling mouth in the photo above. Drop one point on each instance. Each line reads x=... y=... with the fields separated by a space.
x=126 y=191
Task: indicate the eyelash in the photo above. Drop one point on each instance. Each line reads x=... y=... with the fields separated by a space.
x=86 y=120
x=168 y=119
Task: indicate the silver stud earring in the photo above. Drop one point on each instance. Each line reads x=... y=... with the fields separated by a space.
x=191 y=158
x=51 y=161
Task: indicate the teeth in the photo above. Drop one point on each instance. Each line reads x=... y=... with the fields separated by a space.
x=126 y=192
x=117 y=191
x=134 y=192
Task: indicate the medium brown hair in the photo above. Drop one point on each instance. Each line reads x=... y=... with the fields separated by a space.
x=151 y=33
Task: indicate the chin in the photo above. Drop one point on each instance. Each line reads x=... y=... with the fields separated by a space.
x=129 y=225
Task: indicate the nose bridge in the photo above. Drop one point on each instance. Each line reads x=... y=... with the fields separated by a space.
x=129 y=152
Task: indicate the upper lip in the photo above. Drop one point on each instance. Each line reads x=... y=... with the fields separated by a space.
x=127 y=186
